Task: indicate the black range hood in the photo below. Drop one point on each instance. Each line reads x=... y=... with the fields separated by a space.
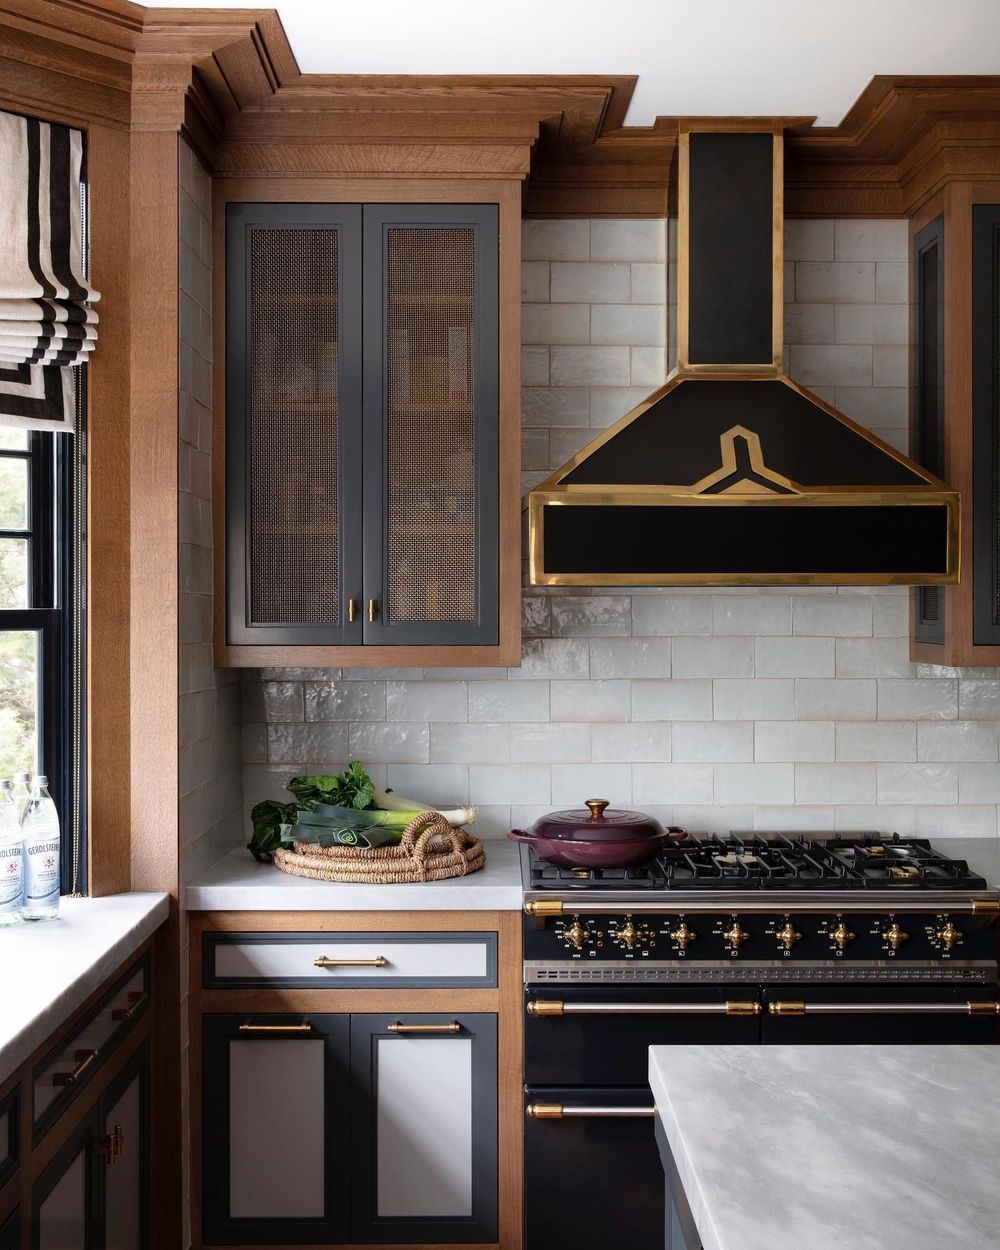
x=731 y=473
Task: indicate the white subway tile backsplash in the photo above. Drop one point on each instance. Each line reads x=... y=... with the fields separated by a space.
x=709 y=741
x=713 y=657
x=671 y=700
x=634 y=743
x=591 y=701
x=765 y=708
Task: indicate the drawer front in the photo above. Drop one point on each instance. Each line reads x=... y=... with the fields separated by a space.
x=8 y=1135
x=359 y=960
x=70 y=1065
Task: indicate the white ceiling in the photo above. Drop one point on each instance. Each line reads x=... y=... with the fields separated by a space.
x=784 y=57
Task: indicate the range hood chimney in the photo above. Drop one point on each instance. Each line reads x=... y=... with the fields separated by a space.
x=731 y=473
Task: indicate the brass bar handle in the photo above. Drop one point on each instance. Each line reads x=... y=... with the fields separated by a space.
x=397 y=1026
x=352 y=610
x=560 y=1111
x=798 y=1008
x=372 y=609
x=113 y=1145
x=750 y=907
x=304 y=1027
x=379 y=961
x=550 y=1008
x=84 y=1058
x=129 y=1013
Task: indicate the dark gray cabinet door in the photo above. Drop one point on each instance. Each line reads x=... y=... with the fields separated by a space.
x=122 y=1159
x=276 y=1132
x=293 y=423
x=63 y=1200
x=431 y=452
x=424 y=1128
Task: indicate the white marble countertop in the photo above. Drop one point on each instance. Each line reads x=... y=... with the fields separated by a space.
x=835 y=1147
x=51 y=967
x=239 y=883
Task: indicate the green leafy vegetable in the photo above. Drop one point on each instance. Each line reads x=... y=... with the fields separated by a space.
x=351 y=788
x=273 y=823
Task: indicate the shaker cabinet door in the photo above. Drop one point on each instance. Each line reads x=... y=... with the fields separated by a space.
x=62 y=1203
x=425 y=1128
x=275 y=1130
x=431 y=424
x=123 y=1151
x=293 y=425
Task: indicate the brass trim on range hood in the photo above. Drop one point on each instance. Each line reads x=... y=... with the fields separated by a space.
x=751 y=483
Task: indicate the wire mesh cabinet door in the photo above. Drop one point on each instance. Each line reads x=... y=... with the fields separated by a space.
x=293 y=424
x=431 y=453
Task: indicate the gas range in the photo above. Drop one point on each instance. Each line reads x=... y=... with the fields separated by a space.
x=765 y=908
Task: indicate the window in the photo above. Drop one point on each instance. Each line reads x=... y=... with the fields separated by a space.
x=39 y=629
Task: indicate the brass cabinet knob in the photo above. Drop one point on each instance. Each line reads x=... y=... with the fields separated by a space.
x=735 y=936
x=949 y=935
x=576 y=934
x=629 y=935
x=895 y=936
x=683 y=936
x=788 y=936
x=842 y=935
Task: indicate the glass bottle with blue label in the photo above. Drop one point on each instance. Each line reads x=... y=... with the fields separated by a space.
x=40 y=830
x=11 y=859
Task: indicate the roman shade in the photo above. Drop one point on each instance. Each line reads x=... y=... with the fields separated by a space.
x=47 y=324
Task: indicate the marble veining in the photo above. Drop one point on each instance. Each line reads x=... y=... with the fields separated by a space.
x=835 y=1147
x=52 y=967
x=239 y=883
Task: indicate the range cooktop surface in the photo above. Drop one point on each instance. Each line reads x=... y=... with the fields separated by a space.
x=771 y=861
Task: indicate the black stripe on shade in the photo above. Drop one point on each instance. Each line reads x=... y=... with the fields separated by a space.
x=33 y=135
x=49 y=407
x=60 y=208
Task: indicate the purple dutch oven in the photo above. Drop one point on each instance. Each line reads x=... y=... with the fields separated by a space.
x=601 y=837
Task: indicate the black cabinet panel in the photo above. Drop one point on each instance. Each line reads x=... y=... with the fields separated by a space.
x=986 y=424
x=10 y=1231
x=927 y=432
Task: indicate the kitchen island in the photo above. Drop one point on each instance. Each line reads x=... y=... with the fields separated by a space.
x=829 y=1147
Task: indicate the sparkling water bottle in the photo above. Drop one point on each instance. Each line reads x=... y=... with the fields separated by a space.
x=40 y=831
x=11 y=859
x=21 y=794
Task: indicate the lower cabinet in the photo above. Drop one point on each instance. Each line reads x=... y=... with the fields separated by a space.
x=10 y=1231
x=349 y=1129
x=94 y=1193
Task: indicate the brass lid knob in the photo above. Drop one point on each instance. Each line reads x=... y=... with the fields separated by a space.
x=597 y=807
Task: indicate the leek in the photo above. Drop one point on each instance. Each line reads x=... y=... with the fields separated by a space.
x=391 y=802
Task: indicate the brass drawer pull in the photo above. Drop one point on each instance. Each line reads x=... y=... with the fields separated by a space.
x=304 y=1027
x=379 y=961
x=558 y=1111
x=84 y=1058
x=544 y=1007
x=129 y=1013
x=372 y=609
x=451 y=1027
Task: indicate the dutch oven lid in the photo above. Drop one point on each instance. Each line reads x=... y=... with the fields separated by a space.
x=597 y=822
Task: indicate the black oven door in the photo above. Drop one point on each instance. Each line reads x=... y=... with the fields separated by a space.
x=873 y=1014
x=592 y=1173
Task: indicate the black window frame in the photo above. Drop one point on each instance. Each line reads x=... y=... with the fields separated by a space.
x=51 y=543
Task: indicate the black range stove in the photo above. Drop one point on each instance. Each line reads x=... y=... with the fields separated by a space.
x=751 y=939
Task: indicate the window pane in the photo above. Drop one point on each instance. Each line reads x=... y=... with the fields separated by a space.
x=13 y=572
x=15 y=440
x=13 y=493
x=18 y=702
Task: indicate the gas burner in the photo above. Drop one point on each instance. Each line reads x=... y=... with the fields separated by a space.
x=773 y=861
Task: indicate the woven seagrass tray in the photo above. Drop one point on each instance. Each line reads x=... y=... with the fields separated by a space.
x=430 y=850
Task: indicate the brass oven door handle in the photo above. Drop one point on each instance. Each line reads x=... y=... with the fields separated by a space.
x=796 y=1007
x=750 y=907
x=560 y=1111
x=84 y=1058
x=129 y=1013
x=550 y=1008
x=249 y=1027
x=379 y=961
x=397 y=1026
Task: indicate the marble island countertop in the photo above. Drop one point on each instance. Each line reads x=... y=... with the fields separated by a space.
x=239 y=883
x=834 y=1147
x=51 y=967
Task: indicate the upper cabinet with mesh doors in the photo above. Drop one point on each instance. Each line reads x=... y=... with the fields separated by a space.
x=371 y=447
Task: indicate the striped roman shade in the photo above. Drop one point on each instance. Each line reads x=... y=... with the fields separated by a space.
x=46 y=323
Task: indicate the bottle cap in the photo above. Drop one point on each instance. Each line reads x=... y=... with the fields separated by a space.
x=5 y=785
x=22 y=777
x=41 y=780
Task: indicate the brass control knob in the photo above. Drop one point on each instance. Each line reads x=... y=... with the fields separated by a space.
x=629 y=935
x=895 y=936
x=842 y=935
x=735 y=936
x=788 y=936
x=576 y=934
x=683 y=936
x=949 y=935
